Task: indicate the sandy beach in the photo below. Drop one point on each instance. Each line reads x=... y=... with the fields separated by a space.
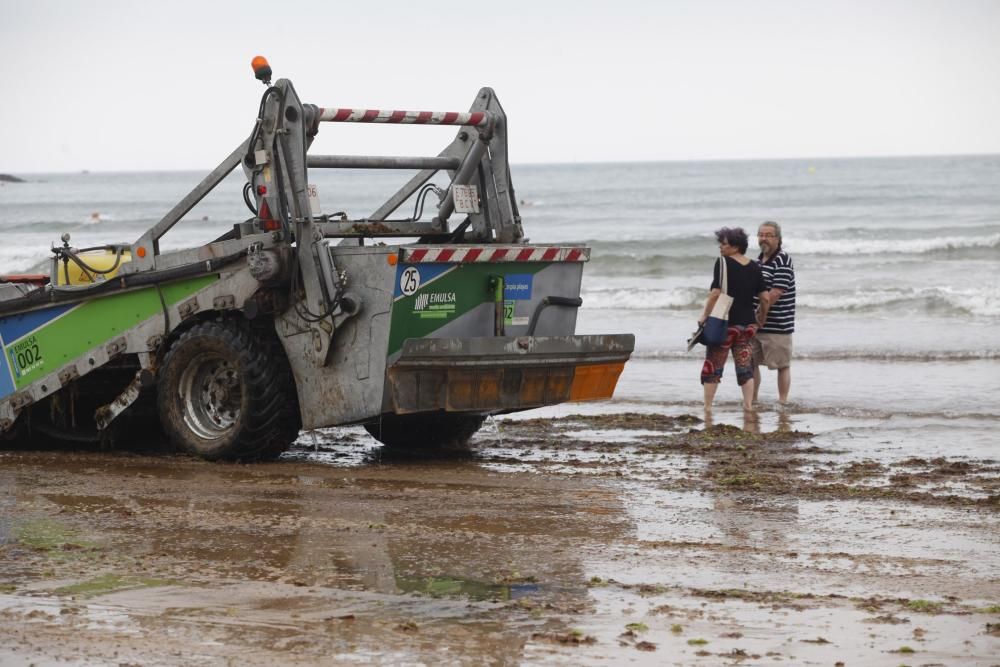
x=597 y=538
x=195 y=246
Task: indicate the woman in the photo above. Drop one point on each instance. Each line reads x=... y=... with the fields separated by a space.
x=744 y=281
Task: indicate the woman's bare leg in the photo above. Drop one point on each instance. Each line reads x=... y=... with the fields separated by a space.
x=747 y=390
x=710 y=389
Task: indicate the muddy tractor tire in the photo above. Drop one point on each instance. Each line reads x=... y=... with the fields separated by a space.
x=226 y=392
x=425 y=432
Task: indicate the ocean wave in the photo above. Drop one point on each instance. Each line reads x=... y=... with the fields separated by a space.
x=947 y=301
x=691 y=247
x=895 y=246
x=844 y=242
x=980 y=302
x=94 y=222
x=681 y=298
x=23 y=260
x=645 y=264
x=34 y=227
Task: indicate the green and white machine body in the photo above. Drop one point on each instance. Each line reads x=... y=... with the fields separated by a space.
x=299 y=319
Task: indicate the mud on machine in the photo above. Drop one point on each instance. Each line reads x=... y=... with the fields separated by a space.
x=296 y=318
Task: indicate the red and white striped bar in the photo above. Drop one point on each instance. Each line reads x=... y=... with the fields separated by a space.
x=495 y=253
x=474 y=118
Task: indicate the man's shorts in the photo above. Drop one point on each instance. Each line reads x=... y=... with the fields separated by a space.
x=773 y=350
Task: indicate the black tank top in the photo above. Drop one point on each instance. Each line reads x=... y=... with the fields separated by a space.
x=744 y=282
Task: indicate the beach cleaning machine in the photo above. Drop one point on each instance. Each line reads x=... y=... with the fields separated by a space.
x=296 y=318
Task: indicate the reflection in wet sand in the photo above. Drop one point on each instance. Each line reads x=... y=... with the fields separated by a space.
x=413 y=546
x=592 y=539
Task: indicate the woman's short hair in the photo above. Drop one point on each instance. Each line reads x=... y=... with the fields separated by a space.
x=734 y=237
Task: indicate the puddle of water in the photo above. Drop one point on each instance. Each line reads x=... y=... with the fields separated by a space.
x=688 y=630
x=608 y=436
x=348 y=446
x=61 y=611
x=449 y=586
x=904 y=437
x=712 y=540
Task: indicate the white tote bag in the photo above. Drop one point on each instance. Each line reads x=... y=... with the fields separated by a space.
x=717 y=324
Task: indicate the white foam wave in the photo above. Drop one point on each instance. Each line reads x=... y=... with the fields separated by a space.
x=983 y=302
x=644 y=299
x=978 y=302
x=899 y=246
x=19 y=260
x=855 y=300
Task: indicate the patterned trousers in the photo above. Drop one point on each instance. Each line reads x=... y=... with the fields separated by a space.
x=738 y=340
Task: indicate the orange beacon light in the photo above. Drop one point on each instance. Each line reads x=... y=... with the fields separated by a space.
x=261 y=69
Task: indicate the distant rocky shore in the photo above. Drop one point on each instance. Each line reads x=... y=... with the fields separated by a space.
x=7 y=178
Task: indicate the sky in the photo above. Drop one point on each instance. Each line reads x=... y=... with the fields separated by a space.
x=117 y=86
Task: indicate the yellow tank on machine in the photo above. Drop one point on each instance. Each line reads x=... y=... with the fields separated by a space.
x=97 y=266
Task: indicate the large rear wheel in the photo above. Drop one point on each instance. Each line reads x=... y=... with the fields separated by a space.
x=226 y=392
x=438 y=431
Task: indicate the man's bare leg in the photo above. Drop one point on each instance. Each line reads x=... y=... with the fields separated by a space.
x=756 y=382
x=784 y=384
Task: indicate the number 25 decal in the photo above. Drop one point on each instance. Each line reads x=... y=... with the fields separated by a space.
x=409 y=281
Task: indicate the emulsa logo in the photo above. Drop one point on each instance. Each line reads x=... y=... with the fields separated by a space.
x=435 y=304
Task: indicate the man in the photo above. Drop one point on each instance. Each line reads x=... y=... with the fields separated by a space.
x=772 y=346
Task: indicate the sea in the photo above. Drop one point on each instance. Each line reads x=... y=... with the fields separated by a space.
x=896 y=261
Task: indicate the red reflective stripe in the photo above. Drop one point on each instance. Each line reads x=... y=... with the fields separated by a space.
x=504 y=254
x=343 y=114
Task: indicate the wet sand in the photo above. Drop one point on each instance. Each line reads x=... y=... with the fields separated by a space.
x=583 y=539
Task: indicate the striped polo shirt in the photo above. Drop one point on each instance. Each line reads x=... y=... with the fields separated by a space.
x=778 y=272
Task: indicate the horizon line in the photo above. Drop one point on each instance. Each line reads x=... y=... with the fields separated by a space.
x=570 y=163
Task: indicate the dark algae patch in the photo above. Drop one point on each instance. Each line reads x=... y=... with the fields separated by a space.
x=110 y=583
x=780 y=463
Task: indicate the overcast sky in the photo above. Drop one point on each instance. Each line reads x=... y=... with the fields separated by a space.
x=140 y=85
